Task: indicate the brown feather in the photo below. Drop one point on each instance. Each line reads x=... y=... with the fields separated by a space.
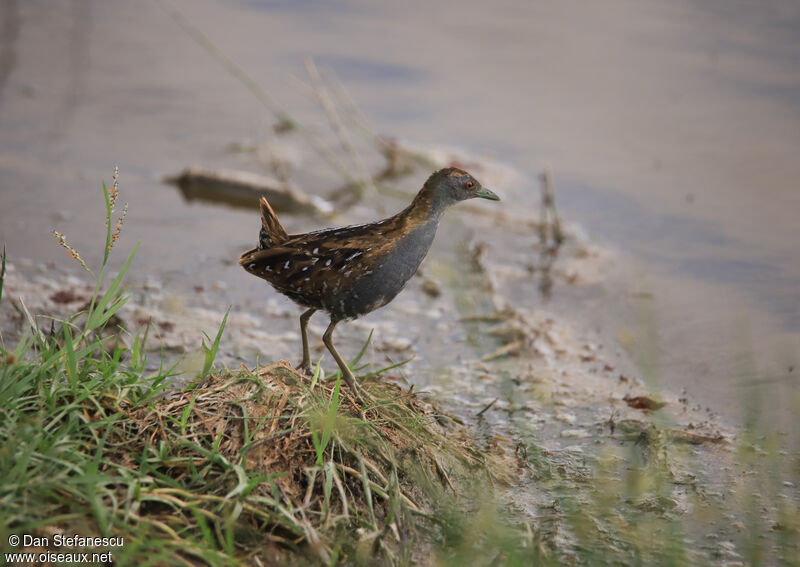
x=272 y=231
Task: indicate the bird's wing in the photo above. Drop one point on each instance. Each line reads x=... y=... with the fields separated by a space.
x=309 y=256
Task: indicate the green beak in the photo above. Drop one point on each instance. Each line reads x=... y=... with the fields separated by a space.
x=484 y=193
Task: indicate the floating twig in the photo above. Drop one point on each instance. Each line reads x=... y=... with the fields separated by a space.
x=510 y=348
x=486 y=408
x=242 y=189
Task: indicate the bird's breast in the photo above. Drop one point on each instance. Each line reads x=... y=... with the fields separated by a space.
x=387 y=275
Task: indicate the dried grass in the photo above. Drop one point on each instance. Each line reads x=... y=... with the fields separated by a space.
x=246 y=439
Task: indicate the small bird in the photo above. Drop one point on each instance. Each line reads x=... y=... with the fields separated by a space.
x=353 y=270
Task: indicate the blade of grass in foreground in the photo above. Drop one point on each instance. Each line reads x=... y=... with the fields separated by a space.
x=321 y=442
x=211 y=351
x=102 y=311
x=2 y=273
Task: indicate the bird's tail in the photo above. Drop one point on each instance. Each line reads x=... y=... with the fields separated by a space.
x=272 y=232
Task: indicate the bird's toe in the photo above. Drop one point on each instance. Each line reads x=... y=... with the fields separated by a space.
x=305 y=368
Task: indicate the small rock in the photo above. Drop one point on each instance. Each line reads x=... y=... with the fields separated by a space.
x=431 y=288
x=565 y=417
x=398 y=344
x=576 y=433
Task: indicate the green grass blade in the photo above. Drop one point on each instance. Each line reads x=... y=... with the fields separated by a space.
x=387 y=368
x=327 y=486
x=211 y=352
x=367 y=490
x=98 y=313
x=107 y=247
x=319 y=448
x=319 y=374
x=69 y=356
x=187 y=411
x=111 y=311
x=330 y=418
x=25 y=343
x=2 y=273
x=321 y=442
x=202 y=525
x=362 y=351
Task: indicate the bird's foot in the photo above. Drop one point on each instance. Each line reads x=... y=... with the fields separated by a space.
x=305 y=368
x=358 y=392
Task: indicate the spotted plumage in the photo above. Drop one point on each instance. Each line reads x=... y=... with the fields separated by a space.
x=352 y=270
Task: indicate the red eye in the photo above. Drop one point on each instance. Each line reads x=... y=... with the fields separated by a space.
x=469 y=184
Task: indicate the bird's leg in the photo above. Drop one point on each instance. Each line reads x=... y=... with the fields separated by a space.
x=305 y=366
x=327 y=338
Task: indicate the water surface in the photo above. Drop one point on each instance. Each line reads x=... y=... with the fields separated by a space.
x=672 y=130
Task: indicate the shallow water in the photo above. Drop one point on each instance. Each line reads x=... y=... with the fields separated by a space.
x=671 y=129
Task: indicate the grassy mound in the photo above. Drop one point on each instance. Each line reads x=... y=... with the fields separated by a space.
x=263 y=466
x=272 y=461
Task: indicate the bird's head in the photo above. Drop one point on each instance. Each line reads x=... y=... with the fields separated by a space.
x=450 y=185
